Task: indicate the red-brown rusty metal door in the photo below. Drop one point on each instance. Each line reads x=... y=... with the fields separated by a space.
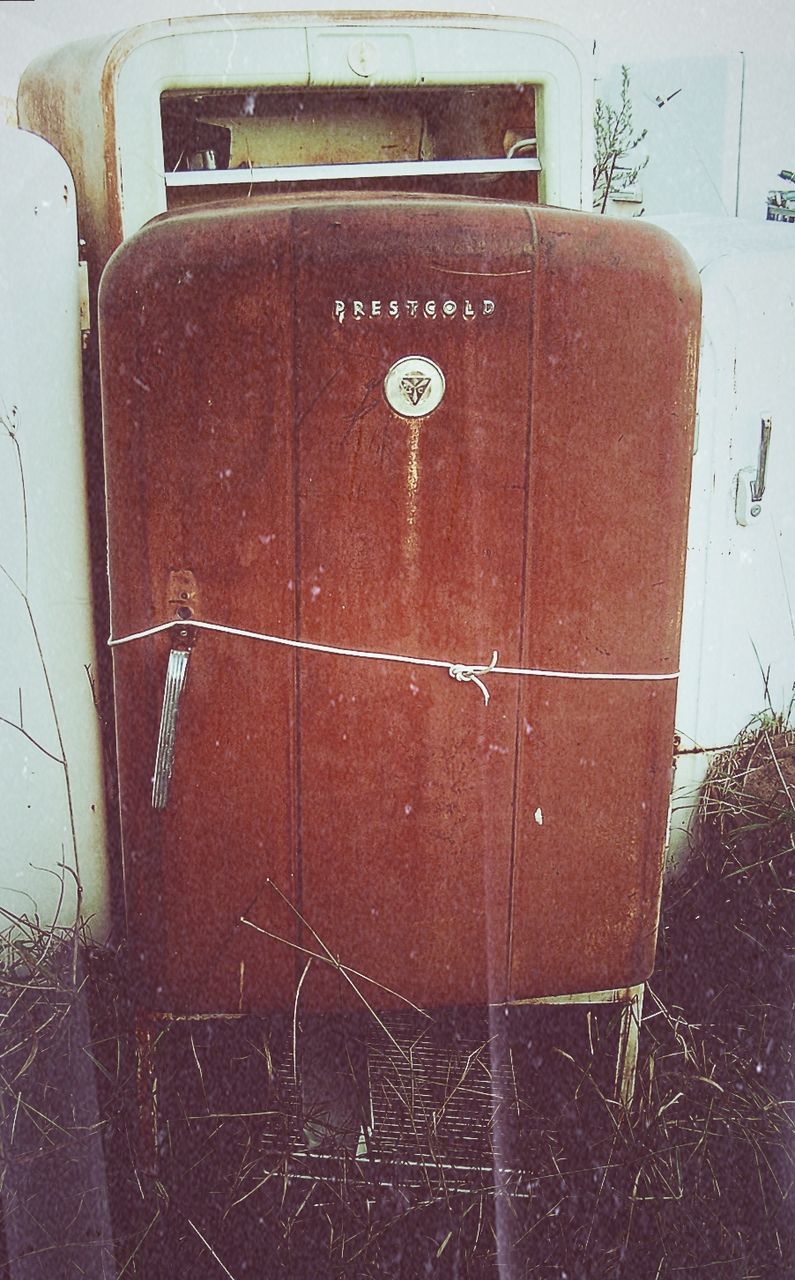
x=421 y=427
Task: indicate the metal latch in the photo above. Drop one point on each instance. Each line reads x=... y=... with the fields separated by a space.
x=183 y=601
x=751 y=483
x=176 y=676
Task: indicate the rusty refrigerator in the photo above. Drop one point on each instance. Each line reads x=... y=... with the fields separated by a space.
x=426 y=428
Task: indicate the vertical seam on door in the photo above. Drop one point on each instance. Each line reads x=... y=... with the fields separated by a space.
x=297 y=807
x=518 y=735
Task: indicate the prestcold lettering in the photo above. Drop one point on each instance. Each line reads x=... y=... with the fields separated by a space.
x=390 y=309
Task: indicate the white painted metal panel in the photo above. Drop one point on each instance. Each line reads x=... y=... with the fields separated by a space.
x=691 y=109
x=738 y=641
x=52 y=812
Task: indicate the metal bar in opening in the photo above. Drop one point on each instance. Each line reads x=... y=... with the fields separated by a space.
x=335 y=172
x=613 y=995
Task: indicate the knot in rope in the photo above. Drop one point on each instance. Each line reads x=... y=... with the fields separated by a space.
x=462 y=673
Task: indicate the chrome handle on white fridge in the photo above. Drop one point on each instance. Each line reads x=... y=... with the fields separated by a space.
x=176 y=675
x=758 y=490
x=751 y=481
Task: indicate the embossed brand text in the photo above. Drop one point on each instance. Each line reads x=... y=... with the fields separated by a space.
x=428 y=308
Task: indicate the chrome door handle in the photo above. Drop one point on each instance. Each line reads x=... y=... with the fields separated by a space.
x=751 y=481
x=758 y=487
x=176 y=676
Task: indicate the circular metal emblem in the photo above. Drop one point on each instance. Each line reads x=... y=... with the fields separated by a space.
x=363 y=58
x=414 y=386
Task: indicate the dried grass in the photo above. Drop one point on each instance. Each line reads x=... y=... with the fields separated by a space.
x=52 y=1183
x=497 y=1146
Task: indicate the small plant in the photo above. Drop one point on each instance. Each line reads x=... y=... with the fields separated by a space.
x=614 y=140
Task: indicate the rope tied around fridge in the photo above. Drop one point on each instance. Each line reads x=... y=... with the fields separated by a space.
x=462 y=672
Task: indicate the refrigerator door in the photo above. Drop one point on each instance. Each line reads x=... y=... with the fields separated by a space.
x=52 y=830
x=738 y=637
x=425 y=429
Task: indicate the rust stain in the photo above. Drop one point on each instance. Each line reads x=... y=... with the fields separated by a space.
x=412 y=489
x=182 y=594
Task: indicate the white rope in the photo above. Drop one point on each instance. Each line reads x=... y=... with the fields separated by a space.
x=459 y=671
x=463 y=673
